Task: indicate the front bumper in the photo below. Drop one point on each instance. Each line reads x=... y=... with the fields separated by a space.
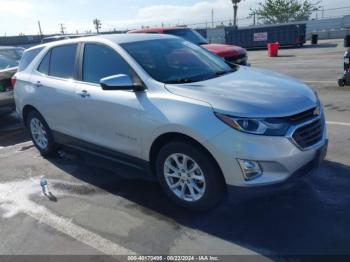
x=239 y=193
x=279 y=157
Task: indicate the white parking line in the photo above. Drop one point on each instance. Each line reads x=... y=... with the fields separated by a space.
x=78 y=233
x=27 y=143
x=15 y=149
x=15 y=198
x=338 y=123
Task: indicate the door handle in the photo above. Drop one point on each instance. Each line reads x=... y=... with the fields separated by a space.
x=38 y=84
x=83 y=93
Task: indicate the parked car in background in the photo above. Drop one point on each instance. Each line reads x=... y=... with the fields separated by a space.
x=199 y=125
x=231 y=53
x=9 y=59
x=12 y=53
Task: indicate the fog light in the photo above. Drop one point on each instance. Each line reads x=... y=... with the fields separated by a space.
x=251 y=169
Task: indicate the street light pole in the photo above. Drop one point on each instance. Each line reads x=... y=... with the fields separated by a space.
x=235 y=8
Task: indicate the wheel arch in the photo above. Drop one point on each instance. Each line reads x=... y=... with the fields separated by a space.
x=26 y=110
x=165 y=138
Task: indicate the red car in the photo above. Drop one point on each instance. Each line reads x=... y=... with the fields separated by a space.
x=231 y=53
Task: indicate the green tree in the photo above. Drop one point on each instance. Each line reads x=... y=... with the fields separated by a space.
x=283 y=11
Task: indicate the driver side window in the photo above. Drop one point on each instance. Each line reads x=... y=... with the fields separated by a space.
x=100 y=61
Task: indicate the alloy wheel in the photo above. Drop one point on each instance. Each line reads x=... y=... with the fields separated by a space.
x=184 y=177
x=38 y=132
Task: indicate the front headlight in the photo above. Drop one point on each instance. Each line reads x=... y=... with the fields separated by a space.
x=267 y=126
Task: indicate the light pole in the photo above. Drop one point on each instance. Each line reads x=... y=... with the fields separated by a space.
x=235 y=8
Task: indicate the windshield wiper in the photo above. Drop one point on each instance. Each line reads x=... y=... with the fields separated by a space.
x=181 y=81
x=223 y=72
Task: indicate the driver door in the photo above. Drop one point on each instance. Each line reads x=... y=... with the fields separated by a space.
x=109 y=119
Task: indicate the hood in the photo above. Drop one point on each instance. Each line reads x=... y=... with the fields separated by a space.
x=225 y=50
x=251 y=93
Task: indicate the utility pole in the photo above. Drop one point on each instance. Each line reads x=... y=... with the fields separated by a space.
x=235 y=8
x=253 y=14
x=62 y=28
x=212 y=18
x=40 y=31
x=97 y=23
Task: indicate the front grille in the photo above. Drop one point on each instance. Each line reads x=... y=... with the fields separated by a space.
x=309 y=135
x=302 y=117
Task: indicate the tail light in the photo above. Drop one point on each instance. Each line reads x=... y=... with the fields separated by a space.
x=13 y=81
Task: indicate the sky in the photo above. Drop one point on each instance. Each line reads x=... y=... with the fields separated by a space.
x=22 y=16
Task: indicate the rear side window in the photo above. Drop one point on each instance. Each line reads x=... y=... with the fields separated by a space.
x=45 y=64
x=28 y=57
x=62 y=62
x=101 y=61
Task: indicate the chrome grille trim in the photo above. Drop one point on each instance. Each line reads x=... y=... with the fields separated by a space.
x=319 y=140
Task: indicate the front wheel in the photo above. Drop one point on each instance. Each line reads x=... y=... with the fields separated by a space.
x=41 y=134
x=189 y=176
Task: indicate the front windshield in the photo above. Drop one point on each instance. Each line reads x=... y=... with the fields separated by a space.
x=176 y=61
x=188 y=34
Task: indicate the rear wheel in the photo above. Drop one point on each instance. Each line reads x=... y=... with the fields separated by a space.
x=189 y=176
x=41 y=134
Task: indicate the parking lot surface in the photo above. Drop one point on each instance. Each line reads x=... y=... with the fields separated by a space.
x=100 y=207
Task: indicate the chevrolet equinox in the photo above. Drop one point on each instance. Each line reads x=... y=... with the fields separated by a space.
x=164 y=104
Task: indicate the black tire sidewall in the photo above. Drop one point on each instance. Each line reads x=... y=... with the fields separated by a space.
x=50 y=149
x=214 y=182
x=341 y=82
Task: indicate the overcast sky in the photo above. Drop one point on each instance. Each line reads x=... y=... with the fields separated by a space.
x=21 y=16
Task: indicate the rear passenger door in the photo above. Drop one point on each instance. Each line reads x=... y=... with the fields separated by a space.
x=110 y=119
x=55 y=87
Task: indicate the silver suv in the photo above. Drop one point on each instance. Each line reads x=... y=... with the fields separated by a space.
x=171 y=107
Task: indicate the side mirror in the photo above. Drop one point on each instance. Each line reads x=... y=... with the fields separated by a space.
x=118 y=82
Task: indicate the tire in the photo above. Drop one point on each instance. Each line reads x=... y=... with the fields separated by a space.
x=207 y=183
x=41 y=134
x=341 y=82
